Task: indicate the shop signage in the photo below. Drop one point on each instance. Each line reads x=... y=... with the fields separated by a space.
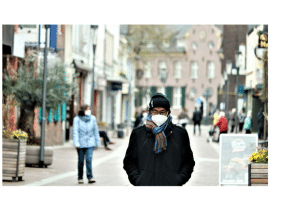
x=263 y=41
x=235 y=150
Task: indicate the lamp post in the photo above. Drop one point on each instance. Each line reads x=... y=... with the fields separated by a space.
x=94 y=27
x=42 y=145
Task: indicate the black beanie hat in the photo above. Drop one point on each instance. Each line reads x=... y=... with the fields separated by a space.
x=159 y=100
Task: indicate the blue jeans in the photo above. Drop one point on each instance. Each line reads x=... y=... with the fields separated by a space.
x=88 y=154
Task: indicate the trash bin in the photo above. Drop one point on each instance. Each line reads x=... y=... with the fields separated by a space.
x=120 y=130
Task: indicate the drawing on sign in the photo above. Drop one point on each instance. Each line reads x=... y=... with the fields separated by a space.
x=235 y=151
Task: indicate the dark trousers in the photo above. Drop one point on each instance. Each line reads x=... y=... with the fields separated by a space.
x=232 y=128
x=260 y=132
x=248 y=131
x=241 y=126
x=105 y=137
x=86 y=153
x=223 y=132
x=197 y=123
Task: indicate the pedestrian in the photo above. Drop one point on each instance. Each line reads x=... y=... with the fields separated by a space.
x=248 y=122
x=139 y=118
x=183 y=118
x=197 y=118
x=85 y=138
x=222 y=124
x=216 y=117
x=232 y=119
x=106 y=140
x=159 y=153
x=242 y=117
x=260 y=124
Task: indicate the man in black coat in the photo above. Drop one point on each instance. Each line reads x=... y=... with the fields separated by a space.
x=159 y=153
x=197 y=118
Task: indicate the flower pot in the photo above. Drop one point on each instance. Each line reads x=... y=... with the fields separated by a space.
x=13 y=159
x=258 y=174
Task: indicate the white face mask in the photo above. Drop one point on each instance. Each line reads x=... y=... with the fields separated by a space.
x=88 y=112
x=159 y=119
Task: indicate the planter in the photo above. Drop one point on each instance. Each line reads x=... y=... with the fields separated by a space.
x=33 y=155
x=13 y=159
x=258 y=174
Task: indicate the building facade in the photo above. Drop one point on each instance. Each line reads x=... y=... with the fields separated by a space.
x=191 y=65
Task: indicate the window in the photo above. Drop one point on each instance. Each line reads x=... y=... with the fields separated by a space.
x=211 y=45
x=177 y=72
x=193 y=92
x=210 y=70
x=162 y=69
x=177 y=97
x=194 y=45
x=194 y=70
x=148 y=69
x=181 y=43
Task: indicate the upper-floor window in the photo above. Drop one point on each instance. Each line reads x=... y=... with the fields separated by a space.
x=148 y=69
x=177 y=72
x=211 y=70
x=211 y=45
x=162 y=69
x=181 y=43
x=194 y=45
x=194 y=70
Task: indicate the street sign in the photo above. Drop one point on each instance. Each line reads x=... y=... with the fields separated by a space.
x=198 y=101
x=235 y=151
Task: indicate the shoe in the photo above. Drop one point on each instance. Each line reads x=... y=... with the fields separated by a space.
x=111 y=143
x=92 y=180
x=80 y=181
x=107 y=148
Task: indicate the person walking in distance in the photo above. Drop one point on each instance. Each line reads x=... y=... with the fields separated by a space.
x=232 y=119
x=260 y=123
x=248 y=122
x=159 y=153
x=85 y=138
x=223 y=125
x=183 y=118
x=242 y=117
x=197 y=118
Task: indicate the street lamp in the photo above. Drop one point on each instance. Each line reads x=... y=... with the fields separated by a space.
x=94 y=27
x=41 y=162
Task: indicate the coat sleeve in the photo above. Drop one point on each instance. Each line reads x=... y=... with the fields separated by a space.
x=96 y=132
x=188 y=163
x=131 y=160
x=76 y=132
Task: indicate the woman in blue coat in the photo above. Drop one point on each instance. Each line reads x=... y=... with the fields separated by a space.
x=85 y=138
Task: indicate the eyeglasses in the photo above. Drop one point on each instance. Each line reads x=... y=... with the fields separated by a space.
x=154 y=112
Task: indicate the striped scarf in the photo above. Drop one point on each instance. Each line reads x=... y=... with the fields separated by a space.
x=160 y=137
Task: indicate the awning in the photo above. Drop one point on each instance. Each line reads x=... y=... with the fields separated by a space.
x=79 y=65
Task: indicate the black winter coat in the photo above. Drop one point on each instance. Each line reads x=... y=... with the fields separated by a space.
x=172 y=167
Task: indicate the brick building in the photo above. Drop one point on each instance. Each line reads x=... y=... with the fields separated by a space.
x=190 y=66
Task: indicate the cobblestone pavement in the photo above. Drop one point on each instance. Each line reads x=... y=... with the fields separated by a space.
x=108 y=165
